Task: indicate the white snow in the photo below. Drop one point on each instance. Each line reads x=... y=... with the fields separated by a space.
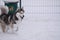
x=41 y=22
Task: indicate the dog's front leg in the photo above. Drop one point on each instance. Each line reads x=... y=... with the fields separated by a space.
x=11 y=25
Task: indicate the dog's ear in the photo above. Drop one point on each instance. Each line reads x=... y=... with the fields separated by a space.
x=22 y=9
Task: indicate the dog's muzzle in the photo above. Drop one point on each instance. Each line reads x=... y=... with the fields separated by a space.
x=22 y=17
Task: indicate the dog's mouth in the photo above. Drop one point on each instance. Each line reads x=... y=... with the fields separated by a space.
x=22 y=17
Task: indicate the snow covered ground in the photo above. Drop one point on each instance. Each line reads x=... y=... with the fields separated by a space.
x=41 y=22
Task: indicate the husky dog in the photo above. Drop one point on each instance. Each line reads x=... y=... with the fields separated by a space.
x=9 y=20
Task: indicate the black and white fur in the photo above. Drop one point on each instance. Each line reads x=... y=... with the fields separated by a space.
x=19 y=14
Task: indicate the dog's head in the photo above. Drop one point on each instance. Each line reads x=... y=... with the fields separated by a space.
x=20 y=13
